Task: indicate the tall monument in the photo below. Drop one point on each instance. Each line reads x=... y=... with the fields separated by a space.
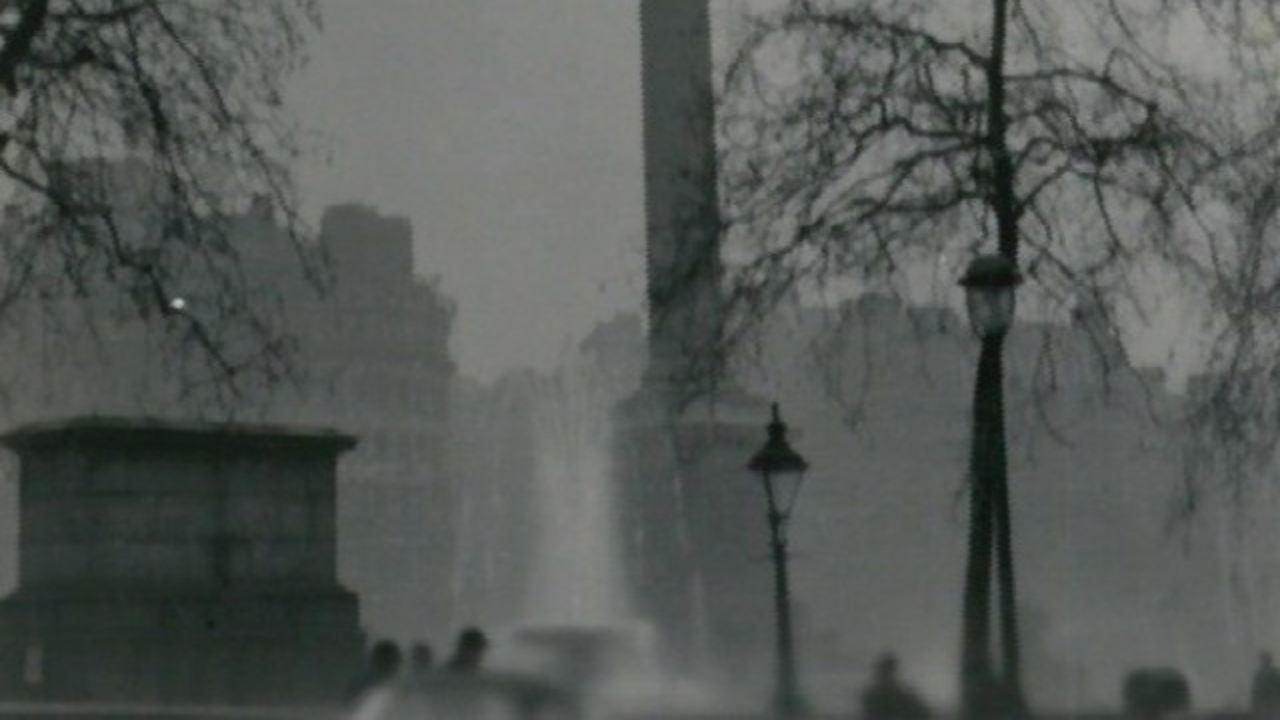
x=681 y=201
x=692 y=518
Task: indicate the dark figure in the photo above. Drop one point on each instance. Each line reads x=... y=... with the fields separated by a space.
x=384 y=665
x=887 y=698
x=1266 y=689
x=421 y=659
x=1156 y=693
x=469 y=653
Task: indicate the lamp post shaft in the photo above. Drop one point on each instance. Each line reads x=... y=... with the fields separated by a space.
x=787 y=698
x=1010 y=650
x=984 y=692
x=977 y=673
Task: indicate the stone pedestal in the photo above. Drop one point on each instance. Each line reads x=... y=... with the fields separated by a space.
x=178 y=564
x=693 y=527
x=293 y=647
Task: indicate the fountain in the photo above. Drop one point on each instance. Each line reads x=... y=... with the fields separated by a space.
x=576 y=564
x=576 y=609
x=577 y=600
x=577 y=618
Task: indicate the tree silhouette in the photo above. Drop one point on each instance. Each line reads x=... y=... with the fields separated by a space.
x=1122 y=154
x=862 y=141
x=131 y=133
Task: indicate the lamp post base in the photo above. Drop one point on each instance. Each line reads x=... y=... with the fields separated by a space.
x=995 y=700
x=790 y=705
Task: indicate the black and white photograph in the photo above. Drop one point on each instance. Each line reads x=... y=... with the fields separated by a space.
x=639 y=359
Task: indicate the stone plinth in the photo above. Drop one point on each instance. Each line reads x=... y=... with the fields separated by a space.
x=177 y=563
x=693 y=526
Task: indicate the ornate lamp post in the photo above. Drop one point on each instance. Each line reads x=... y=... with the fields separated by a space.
x=989 y=284
x=781 y=471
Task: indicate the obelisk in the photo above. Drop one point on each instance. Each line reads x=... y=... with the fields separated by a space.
x=692 y=519
x=683 y=267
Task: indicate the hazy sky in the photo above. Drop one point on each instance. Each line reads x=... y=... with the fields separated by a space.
x=509 y=131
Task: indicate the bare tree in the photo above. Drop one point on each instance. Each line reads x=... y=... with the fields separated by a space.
x=866 y=139
x=1234 y=414
x=1110 y=149
x=132 y=132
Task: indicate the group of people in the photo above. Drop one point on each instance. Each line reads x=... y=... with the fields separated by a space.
x=460 y=689
x=888 y=699
x=377 y=688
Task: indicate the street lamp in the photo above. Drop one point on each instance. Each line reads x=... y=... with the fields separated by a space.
x=989 y=283
x=781 y=471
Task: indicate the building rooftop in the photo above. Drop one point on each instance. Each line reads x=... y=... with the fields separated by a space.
x=135 y=431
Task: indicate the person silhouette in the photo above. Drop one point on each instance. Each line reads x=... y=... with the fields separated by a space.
x=468 y=655
x=371 y=694
x=421 y=659
x=1265 y=698
x=887 y=698
x=1155 y=693
x=462 y=695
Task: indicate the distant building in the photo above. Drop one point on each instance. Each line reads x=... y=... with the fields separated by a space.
x=177 y=563
x=495 y=514
x=378 y=352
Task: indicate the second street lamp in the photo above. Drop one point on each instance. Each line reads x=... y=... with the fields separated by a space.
x=781 y=471
x=989 y=284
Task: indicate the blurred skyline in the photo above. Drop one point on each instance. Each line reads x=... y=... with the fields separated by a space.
x=509 y=133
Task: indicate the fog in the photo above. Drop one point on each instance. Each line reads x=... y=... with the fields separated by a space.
x=517 y=466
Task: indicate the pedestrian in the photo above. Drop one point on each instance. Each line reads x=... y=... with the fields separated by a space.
x=372 y=693
x=421 y=659
x=1265 y=700
x=887 y=698
x=1156 y=694
x=468 y=655
x=461 y=691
